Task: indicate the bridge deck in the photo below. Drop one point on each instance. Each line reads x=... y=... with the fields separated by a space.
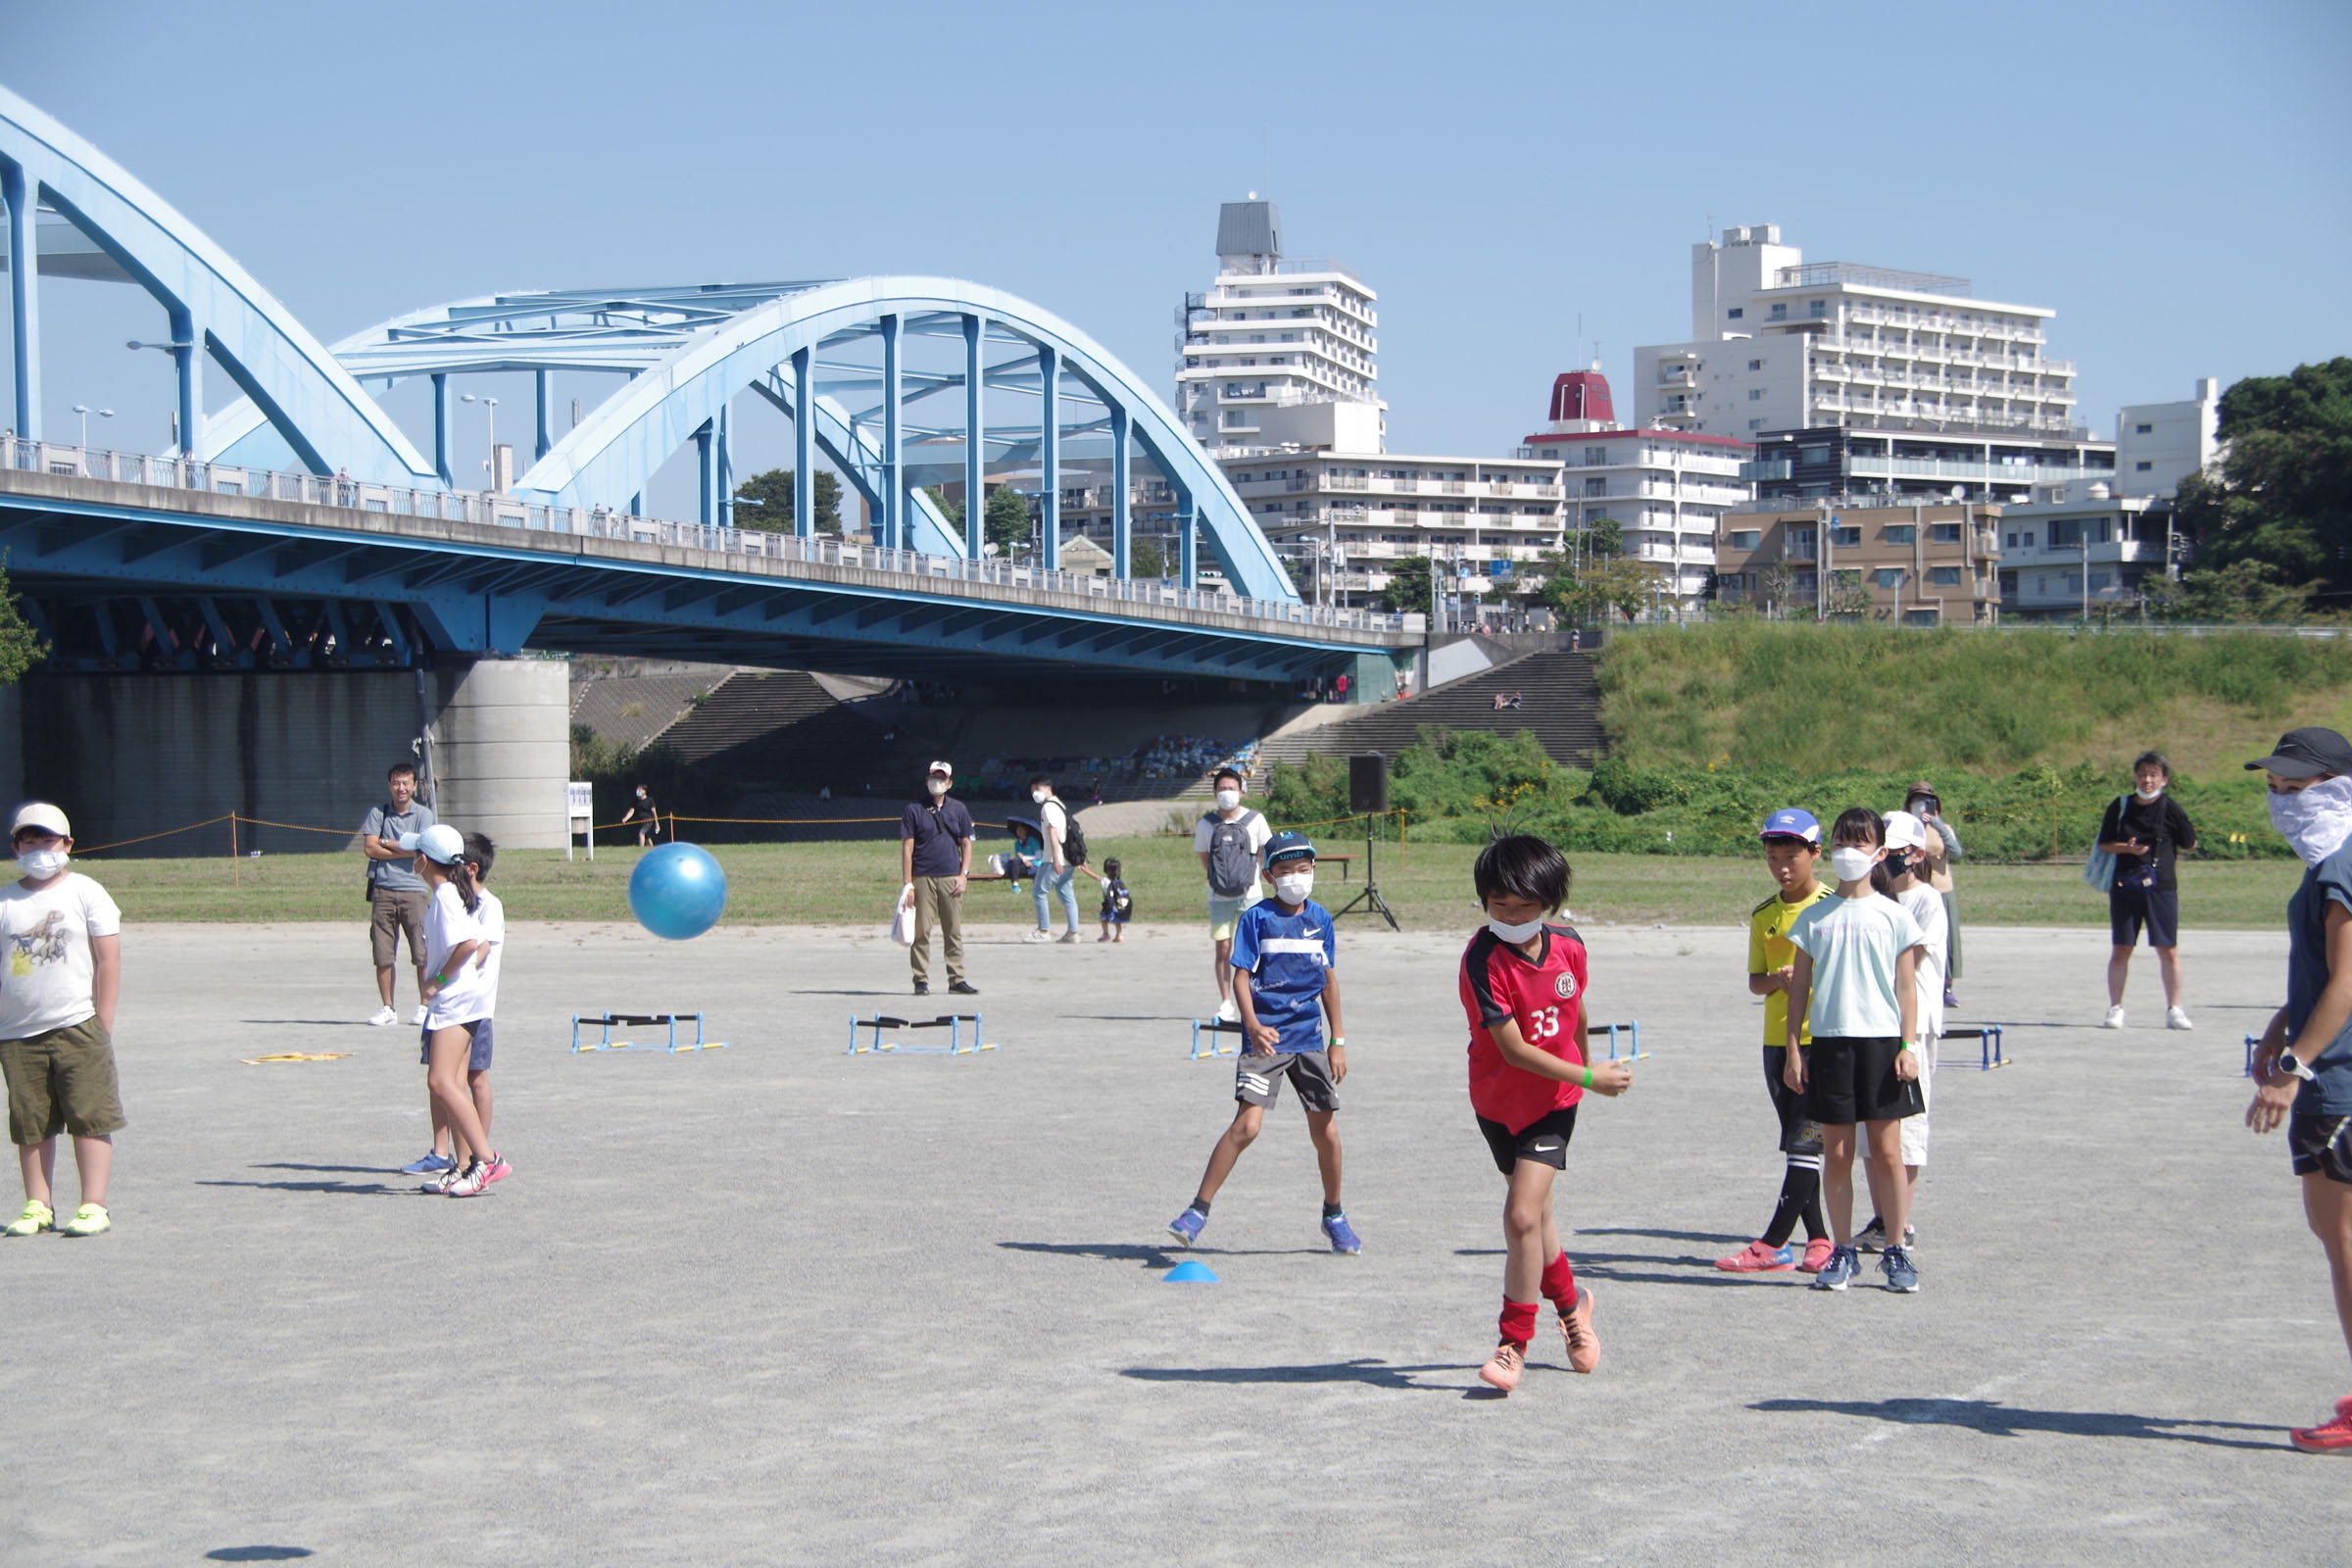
x=500 y=575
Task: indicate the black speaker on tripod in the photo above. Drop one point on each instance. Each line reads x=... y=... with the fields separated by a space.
x=1368 y=794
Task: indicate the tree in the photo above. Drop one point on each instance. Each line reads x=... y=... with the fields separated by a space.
x=1847 y=597
x=2244 y=591
x=1006 y=519
x=1589 y=590
x=21 y=647
x=764 y=500
x=1147 y=556
x=1408 y=586
x=951 y=510
x=2281 y=494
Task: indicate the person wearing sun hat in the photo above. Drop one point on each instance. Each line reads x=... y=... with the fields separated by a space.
x=2303 y=1062
x=61 y=939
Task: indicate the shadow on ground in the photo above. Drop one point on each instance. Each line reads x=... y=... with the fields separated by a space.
x=1998 y=1420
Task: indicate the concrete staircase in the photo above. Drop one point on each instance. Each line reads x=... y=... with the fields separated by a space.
x=1560 y=701
x=786 y=732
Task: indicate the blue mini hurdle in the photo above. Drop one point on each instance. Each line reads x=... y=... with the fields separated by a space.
x=1989 y=1037
x=1214 y=1027
x=1632 y=1030
x=951 y=1022
x=605 y=1023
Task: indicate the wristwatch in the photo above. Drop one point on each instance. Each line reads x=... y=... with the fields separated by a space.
x=2292 y=1066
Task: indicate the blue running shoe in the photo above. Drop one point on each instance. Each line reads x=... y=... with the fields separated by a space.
x=1840 y=1271
x=431 y=1164
x=1895 y=1264
x=1343 y=1235
x=1186 y=1227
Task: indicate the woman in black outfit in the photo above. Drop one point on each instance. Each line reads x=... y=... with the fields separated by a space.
x=2144 y=830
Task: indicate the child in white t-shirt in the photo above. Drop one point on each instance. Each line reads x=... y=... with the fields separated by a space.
x=1903 y=877
x=458 y=995
x=61 y=945
x=1854 y=980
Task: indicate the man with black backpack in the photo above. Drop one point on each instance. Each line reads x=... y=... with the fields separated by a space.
x=1058 y=868
x=1228 y=840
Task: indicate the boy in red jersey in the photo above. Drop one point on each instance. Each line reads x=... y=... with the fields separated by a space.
x=1523 y=987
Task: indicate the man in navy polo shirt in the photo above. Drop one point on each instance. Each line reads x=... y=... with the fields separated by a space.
x=935 y=861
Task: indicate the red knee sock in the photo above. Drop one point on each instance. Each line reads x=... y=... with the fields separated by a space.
x=1518 y=1321
x=1559 y=1282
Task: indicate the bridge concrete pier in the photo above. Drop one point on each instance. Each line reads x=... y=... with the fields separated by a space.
x=301 y=754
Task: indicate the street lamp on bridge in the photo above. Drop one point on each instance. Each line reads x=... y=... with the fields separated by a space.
x=491 y=405
x=85 y=411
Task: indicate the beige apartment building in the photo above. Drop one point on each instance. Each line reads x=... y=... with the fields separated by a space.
x=1928 y=564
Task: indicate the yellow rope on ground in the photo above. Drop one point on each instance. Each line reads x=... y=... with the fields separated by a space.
x=295 y=1056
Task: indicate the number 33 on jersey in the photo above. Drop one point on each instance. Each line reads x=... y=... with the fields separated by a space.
x=1544 y=997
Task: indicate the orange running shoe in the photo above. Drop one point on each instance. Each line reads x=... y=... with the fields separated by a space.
x=1502 y=1371
x=1576 y=1327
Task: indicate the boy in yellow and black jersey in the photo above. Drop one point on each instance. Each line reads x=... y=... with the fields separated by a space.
x=1791 y=848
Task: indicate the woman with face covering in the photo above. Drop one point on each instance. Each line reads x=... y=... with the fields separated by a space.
x=2143 y=831
x=2303 y=1062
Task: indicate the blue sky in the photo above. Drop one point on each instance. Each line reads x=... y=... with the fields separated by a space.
x=2169 y=178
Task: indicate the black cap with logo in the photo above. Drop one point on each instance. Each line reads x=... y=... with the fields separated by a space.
x=2308 y=752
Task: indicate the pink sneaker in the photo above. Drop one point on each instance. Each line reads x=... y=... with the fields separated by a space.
x=1757 y=1258
x=1817 y=1255
x=2333 y=1437
x=498 y=1170
x=1502 y=1370
x=1576 y=1329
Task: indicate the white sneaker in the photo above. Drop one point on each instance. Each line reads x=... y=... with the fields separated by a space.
x=2174 y=1018
x=1229 y=1011
x=1039 y=936
x=2114 y=1018
x=418 y=1019
x=382 y=1016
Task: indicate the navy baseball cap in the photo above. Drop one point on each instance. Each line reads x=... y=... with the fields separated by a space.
x=1288 y=846
x=1791 y=822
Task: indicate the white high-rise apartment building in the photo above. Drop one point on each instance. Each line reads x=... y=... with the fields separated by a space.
x=2157 y=445
x=1278 y=352
x=1902 y=384
x=1662 y=489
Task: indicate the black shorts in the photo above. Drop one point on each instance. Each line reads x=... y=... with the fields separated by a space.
x=2158 y=909
x=1545 y=1140
x=1800 y=1134
x=2323 y=1144
x=1849 y=1080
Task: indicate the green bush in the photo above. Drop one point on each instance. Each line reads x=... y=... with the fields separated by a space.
x=674 y=785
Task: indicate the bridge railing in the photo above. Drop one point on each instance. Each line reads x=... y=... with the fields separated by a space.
x=491 y=509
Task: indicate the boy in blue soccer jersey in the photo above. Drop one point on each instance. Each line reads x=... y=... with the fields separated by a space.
x=1287 y=945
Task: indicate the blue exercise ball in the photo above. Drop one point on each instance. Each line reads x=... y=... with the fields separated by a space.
x=678 y=891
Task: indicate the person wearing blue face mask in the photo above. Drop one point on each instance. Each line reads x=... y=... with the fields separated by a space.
x=2303 y=1062
x=61 y=937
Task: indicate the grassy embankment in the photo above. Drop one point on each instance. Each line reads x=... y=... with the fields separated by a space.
x=2028 y=736
x=851 y=884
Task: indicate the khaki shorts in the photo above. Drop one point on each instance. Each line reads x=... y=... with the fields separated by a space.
x=391 y=911
x=62 y=1080
x=1226 y=913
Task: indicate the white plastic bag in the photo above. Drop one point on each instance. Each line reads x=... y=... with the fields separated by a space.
x=901 y=922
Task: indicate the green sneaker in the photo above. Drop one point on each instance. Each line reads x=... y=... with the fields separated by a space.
x=36 y=1219
x=89 y=1220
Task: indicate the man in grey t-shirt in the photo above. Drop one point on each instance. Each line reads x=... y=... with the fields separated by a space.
x=396 y=894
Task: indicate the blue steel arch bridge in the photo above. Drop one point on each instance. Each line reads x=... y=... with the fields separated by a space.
x=299 y=526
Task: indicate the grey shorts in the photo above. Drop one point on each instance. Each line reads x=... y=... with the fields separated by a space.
x=1257 y=1080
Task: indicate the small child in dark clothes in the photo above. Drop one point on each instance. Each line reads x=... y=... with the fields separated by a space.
x=1118 y=907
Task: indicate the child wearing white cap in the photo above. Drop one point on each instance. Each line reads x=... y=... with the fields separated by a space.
x=62 y=938
x=455 y=988
x=1908 y=884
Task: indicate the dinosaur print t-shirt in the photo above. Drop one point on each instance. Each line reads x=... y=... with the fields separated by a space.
x=45 y=932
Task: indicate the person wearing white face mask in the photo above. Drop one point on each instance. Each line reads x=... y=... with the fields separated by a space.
x=62 y=940
x=1229 y=840
x=2145 y=831
x=2303 y=1062
x=1286 y=962
x=1058 y=870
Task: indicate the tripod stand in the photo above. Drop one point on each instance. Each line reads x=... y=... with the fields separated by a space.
x=1370 y=899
